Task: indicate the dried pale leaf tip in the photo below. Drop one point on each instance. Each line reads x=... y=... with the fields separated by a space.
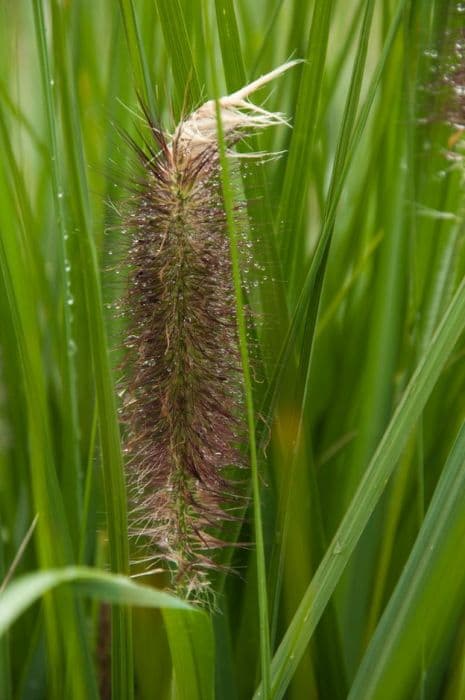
x=237 y=113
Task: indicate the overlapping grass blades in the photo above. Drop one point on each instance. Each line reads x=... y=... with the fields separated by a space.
x=353 y=352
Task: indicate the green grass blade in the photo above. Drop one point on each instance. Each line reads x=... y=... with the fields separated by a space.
x=271 y=287
x=115 y=491
x=5 y=660
x=319 y=262
x=189 y=631
x=228 y=197
x=111 y=588
x=53 y=540
x=72 y=476
x=137 y=56
x=298 y=167
x=377 y=390
x=233 y=62
x=424 y=598
x=242 y=333
x=190 y=636
x=20 y=260
x=266 y=49
x=371 y=487
x=335 y=303
x=178 y=45
x=306 y=295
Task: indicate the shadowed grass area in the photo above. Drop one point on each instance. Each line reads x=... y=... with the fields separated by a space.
x=351 y=319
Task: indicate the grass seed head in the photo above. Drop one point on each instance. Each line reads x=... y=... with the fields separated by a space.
x=183 y=388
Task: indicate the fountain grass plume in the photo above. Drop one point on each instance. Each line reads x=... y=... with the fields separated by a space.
x=183 y=396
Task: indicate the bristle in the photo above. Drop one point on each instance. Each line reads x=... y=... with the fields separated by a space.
x=183 y=389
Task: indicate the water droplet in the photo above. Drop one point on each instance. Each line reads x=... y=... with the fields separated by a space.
x=60 y=195
x=70 y=301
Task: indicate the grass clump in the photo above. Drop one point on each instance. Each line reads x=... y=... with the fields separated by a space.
x=352 y=282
